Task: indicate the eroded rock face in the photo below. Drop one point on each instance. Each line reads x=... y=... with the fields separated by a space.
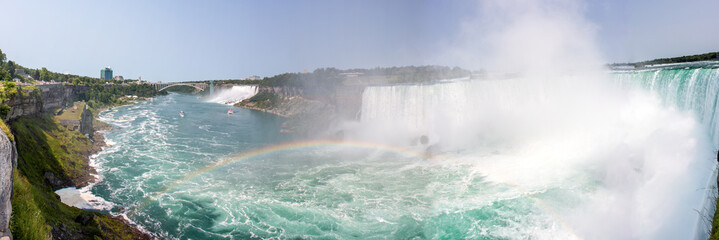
x=86 y=122
x=23 y=106
x=7 y=155
x=46 y=98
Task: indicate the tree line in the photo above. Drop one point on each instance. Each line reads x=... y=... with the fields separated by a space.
x=108 y=95
x=101 y=93
x=324 y=81
x=332 y=76
x=682 y=59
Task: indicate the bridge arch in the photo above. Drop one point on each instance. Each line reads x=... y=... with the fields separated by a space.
x=181 y=84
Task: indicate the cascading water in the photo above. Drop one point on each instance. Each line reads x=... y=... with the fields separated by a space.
x=694 y=89
x=604 y=162
x=233 y=95
x=570 y=157
x=691 y=87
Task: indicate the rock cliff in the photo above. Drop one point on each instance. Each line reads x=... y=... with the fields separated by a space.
x=45 y=98
x=86 y=122
x=308 y=112
x=8 y=157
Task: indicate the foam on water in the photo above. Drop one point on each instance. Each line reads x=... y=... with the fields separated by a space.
x=515 y=162
x=83 y=199
x=621 y=153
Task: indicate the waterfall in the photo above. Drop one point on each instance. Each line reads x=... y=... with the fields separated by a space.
x=233 y=95
x=643 y=137
x=693 y=89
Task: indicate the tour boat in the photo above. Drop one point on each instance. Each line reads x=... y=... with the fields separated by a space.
x=230 y=112
x=182 y=114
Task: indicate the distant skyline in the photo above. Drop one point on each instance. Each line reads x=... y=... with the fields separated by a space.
x=197 y=40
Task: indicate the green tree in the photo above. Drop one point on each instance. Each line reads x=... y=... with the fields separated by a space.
x=2 y=57
x=5 y=75
x=10 y=66
x=44 y=74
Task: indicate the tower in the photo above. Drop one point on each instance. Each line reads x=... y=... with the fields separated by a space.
x=106 y=73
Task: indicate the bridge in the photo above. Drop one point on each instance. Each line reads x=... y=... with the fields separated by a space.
x=163 y=86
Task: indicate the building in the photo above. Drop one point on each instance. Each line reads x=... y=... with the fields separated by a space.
x=21 y=72
x=106 y=73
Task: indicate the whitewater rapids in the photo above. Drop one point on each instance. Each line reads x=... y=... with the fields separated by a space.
x=622 y=160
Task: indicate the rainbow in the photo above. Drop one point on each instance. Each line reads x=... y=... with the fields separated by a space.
x=303 y=145
x=287 y=147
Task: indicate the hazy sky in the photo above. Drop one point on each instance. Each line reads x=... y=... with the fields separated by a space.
x=196 y=40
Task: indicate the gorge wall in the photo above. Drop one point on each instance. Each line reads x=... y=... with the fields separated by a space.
x=345 y=100
x=27 y=103
x=8 y=158
x=45 y=98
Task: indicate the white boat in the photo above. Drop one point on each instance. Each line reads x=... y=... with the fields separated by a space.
x=182 y=114
x=230 y=112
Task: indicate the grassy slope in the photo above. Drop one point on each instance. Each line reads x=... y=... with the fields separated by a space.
x=72 y=114
x=44 y=146
x=28 y=221
x=7 y=131
x=715 y=224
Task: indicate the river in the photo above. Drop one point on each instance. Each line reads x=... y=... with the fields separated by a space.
x=535 y=164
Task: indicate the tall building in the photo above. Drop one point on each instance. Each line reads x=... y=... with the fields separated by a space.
x=106 y=73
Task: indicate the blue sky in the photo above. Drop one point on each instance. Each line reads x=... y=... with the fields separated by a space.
x=196 y=40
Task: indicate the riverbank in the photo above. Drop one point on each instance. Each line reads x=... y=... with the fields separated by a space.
x=302 y=116
x=52 y=156
x=151 y=142
x=255 y=107
x=98 y=139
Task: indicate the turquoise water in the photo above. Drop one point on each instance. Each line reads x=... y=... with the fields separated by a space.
x=316 y=193
x=695 y=89
x=513 y=163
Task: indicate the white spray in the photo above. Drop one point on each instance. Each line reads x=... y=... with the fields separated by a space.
x=644 y=163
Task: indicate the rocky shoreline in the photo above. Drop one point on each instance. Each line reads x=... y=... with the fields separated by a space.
x=302 y=116
x=266 y=110
x=87 y=177
x=98 y=139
